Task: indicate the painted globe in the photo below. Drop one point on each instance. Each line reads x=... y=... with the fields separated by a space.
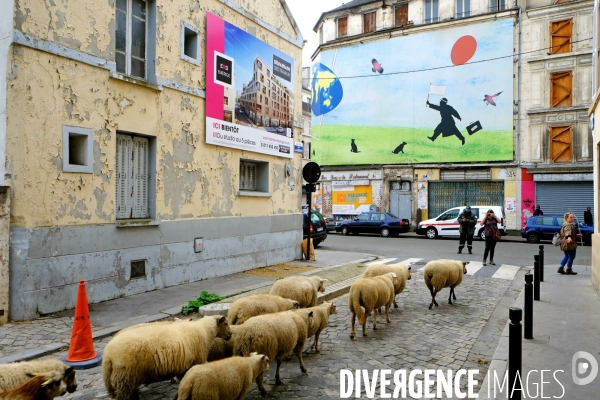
x=327 y=90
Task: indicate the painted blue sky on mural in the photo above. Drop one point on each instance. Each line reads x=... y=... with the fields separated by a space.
x=395 y=99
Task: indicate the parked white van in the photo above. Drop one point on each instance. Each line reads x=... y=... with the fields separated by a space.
x=446 y=224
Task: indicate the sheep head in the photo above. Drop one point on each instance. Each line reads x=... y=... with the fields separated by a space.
x=263 y=360
x=332 y=309
x=69 y=379
x=409 y=276
x=465 y=266
x=223 y=329
x=322 y=285
x=295 y=304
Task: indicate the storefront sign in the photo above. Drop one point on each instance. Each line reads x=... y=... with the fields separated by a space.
x=351 y=175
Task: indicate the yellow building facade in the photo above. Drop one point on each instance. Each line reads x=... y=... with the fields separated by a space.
x=111 y=177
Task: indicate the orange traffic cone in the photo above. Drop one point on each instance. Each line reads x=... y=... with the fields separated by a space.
x=81 y=349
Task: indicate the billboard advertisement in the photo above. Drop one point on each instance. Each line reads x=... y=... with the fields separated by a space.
x=431 y=97
x=249 y=92
x=350 y=199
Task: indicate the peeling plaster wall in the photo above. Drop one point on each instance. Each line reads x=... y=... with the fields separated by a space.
x=195 y=183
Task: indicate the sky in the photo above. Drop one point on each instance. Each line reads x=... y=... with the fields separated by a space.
x=306 y=14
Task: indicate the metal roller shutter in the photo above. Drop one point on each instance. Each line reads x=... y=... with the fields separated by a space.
x=561 y=197
x=445 y=195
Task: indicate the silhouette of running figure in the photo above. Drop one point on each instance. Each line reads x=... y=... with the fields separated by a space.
x=447 y=127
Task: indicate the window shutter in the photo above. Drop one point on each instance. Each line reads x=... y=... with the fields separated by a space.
x=560 y=36
x=247 y=176
x=561 y=84
x=140 y=178
x=124 y=165
x=401 y=14
x=369 y=23
x=561 y=143
x=342 y=27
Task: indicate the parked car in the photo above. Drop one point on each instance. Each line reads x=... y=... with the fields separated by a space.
x=318 y=230
x=330 y=224
x=446 y=224
x=543 y=227
x=384 y=223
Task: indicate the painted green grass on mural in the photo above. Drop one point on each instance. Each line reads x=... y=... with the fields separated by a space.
x=376 y=145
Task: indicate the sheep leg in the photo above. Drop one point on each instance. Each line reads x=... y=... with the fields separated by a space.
x=316 y=343
x=277 y=378
x=387 y=313
x=395 y=304
x=352 y=333
x=433 y=293
x=259 y=383
x=453 y=294
x=450 y=296
x=364 y=326
x=298 y=353
x=375 y=319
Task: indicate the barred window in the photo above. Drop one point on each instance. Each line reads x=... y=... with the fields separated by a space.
x=247 y=176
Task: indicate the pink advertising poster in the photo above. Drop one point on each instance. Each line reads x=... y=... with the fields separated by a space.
x=249 y=92
x=527 y=195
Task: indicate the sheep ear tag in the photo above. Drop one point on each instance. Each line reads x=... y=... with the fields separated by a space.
x=254 y=353
x=46 y=383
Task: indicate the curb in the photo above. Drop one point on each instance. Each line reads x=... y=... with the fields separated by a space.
x=175 y=311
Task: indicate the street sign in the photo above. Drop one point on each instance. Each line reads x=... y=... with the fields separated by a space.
x=311 y=172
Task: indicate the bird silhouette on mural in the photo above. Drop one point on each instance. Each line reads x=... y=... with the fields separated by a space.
x=490 y=99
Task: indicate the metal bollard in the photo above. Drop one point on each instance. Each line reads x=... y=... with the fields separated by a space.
x=536 y=277
x=515 y=354
x=528 y=307
x=541 y=253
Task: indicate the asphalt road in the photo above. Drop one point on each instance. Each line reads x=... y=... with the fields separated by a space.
x=511 y=250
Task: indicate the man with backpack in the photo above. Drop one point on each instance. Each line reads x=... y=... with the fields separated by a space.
x=467 y=221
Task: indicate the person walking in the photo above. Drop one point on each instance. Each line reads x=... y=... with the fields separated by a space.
x=447 y=127
x=569 y=236
x=490 y=224
x=467 y=222
x=588 y=219
x=538 y=211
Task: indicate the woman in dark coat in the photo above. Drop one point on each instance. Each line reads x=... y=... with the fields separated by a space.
x=490 y=223
x=569 y=236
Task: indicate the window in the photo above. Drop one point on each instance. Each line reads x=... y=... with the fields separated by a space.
x=363 y=217
x=545 y=221
x=78 y=149
x=561 y=143
x=321 y=35
x=369 y=22
x=401 y=15
x=190 y=43
x=342 y=27
x=254 y=177
x=133 y=176
x=306 y=150
x=560 y=36
x=431 y=11
x=463 y=8
x=561 y=84
x=497 y=5
x=131 y=37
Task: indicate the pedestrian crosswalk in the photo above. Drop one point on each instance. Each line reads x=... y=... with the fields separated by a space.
x=475 y=268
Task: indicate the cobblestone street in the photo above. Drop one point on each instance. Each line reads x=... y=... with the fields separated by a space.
x=463 y=335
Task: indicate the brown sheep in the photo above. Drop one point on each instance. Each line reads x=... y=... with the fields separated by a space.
x=222 y=348
x=251 y=306
x=40 y=387
x=440 y=274
x=400 y=269
x=274 y=335
x=303 y=289
x=155 y=352
x=320 y=321
x=371 y=293
x=228 y=379
x=14 y=375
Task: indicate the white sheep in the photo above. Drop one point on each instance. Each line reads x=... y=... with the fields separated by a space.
x=227 y=379
x=40 y=387
x=14 y=375
x=303 y=289
x=274 y=335
x=320 y=320
x=251 y=306
x=440 y=274
x=155 y=352
x=221 y=348
x=401 y=270
x=371 y=293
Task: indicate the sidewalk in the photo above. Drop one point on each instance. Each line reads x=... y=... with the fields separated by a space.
x=566 y=320
x=31 y=339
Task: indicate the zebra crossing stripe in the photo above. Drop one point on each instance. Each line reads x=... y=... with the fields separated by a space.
x=473 y=267
x=384 y=261
x=506 y=272
x=410 y=261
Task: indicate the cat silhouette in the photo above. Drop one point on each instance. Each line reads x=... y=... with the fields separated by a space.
x=399 y=149
x=353 y=147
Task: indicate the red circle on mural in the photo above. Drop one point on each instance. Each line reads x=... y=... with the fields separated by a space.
x=463 y=50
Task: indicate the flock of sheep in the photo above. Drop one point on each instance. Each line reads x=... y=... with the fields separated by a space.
x=219 y=357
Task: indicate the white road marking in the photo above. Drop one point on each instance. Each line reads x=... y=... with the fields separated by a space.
x=473 y=267
x=385 y=260
x=506 y=272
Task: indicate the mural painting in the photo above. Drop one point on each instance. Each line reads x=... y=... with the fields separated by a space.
x=440 y=96
x=249 y=91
